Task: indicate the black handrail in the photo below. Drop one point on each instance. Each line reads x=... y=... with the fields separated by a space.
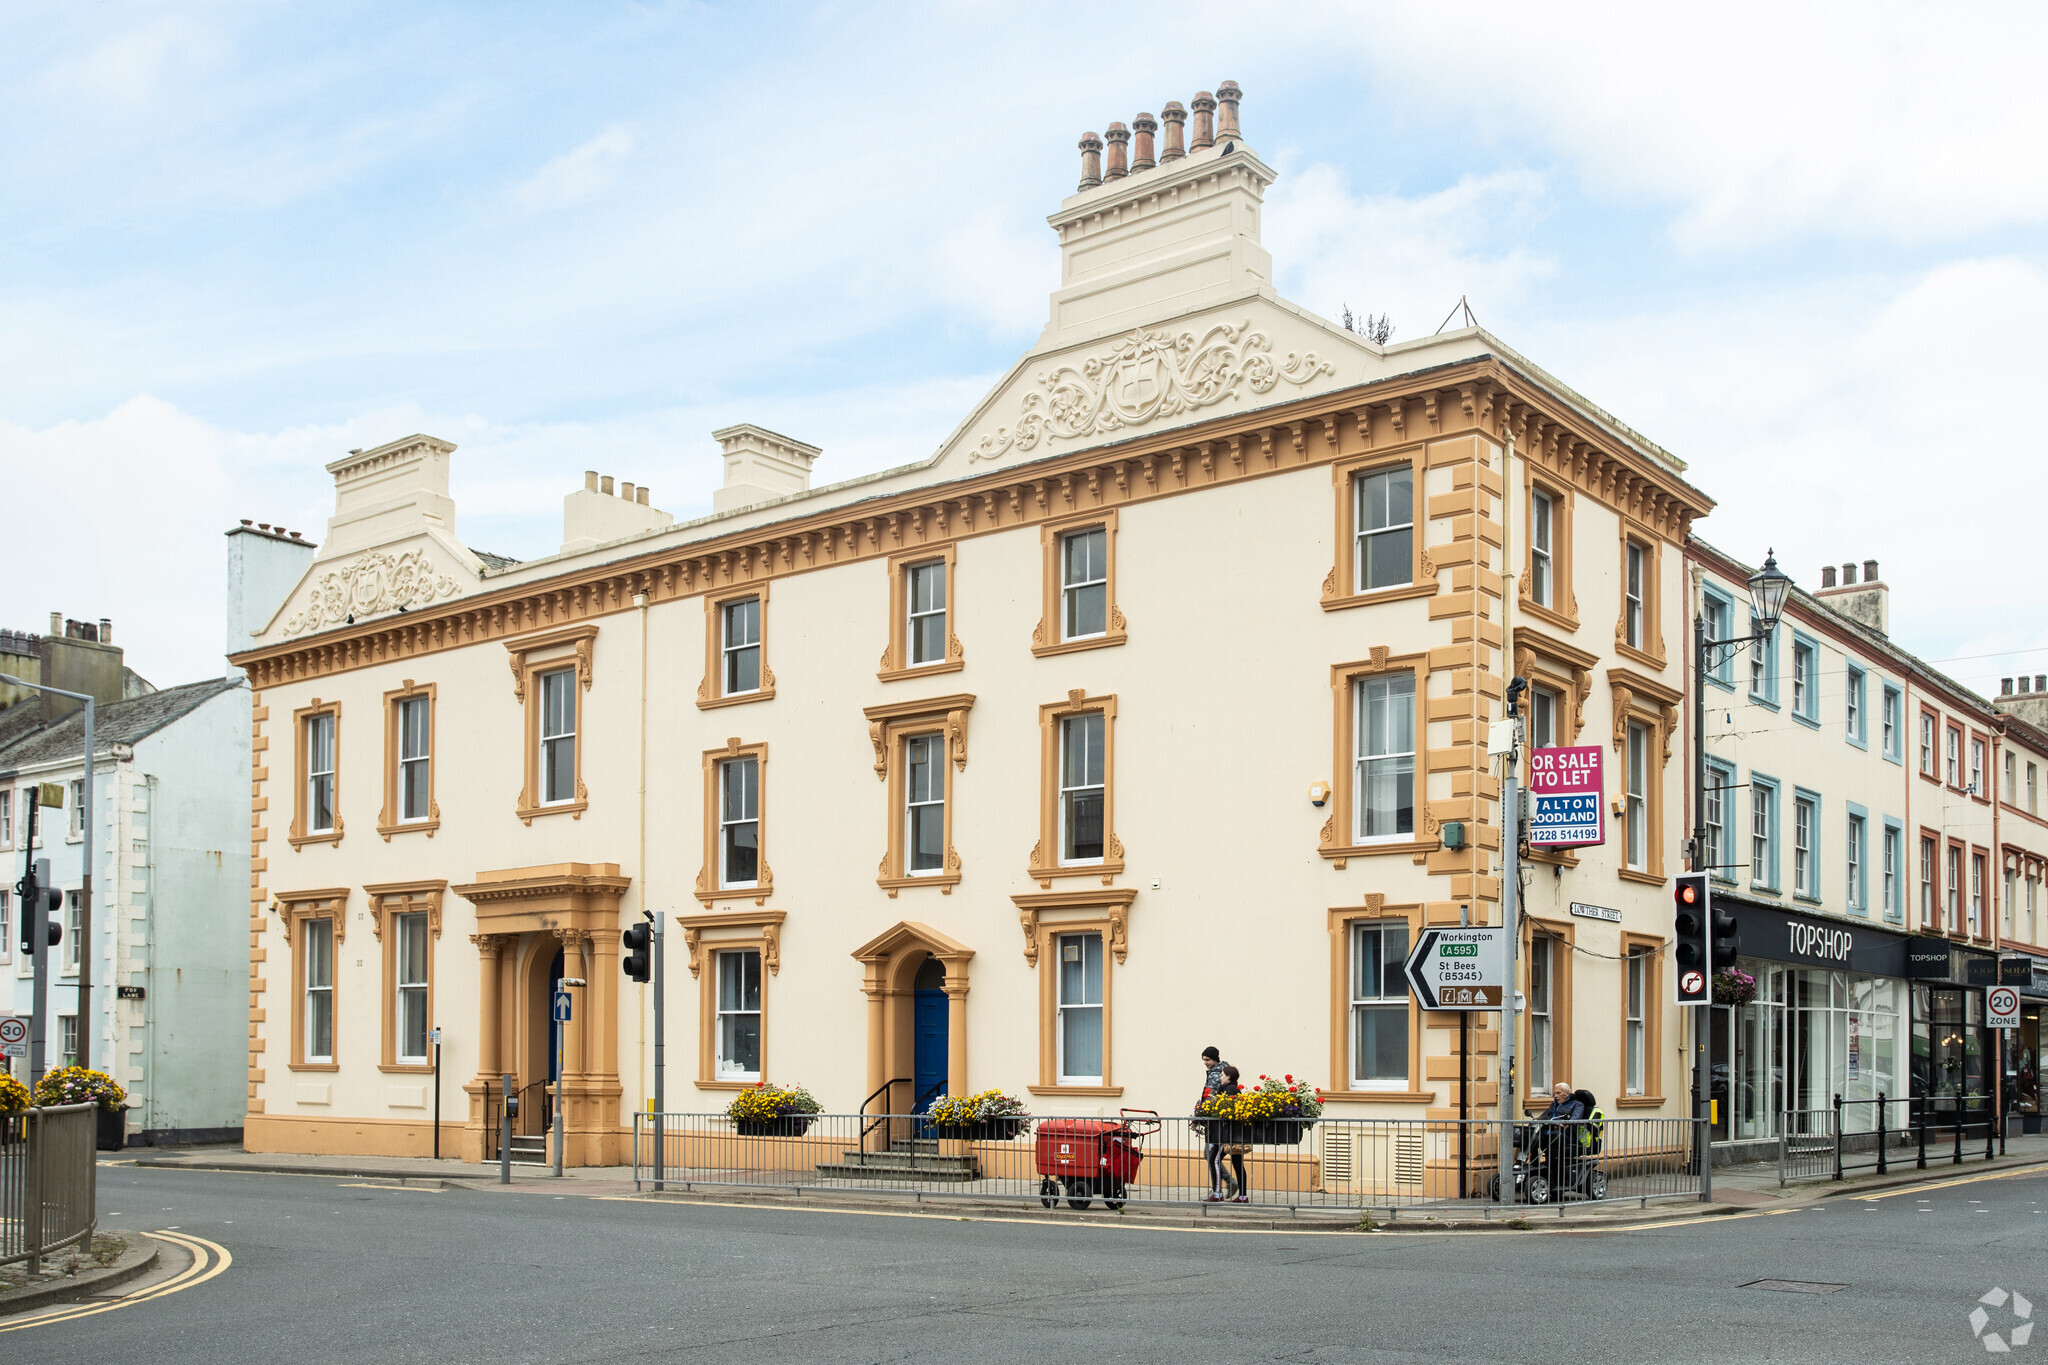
x=917 y=1107
x=865 y=1126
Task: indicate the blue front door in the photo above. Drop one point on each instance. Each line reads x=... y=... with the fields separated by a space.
x=932 y=1043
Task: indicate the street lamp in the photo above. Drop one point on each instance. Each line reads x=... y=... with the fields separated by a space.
x=1768 y=589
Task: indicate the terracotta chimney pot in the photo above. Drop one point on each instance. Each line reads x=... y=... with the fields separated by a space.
x=1141 y=158
x=1176 y=119
x=1091 y=161
x=1204 y=105
x=1119 y=163
x=1228 y=95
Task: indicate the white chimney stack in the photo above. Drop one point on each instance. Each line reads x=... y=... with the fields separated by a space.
x=760 y=466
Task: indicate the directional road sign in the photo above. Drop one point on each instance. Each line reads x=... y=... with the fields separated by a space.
x=2001 y=1007
x=1459 y=969
x=561 y=1007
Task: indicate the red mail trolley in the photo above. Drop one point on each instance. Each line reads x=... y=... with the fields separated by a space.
x=1091 y=1159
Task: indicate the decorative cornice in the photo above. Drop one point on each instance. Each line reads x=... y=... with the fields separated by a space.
x=1199 y=456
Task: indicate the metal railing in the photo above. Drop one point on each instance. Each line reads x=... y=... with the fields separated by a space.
x=1383 y=1166
x=48 y=1181
x=1876 y=1135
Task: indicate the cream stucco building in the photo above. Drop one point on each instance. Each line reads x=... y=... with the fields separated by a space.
x=1147 y=713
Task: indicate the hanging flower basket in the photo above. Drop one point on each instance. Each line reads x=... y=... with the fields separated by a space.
x=1733 y=986
x=990 y=1116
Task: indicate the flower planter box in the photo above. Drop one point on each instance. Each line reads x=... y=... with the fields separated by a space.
x=786 y=1125
x=1280 y=1132
x=984 y=1130
x=113 y=1134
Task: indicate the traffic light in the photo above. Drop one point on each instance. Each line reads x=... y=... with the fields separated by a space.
x=37 y=894
x=1692 y=908
x=638 y=964
x=1727 y=941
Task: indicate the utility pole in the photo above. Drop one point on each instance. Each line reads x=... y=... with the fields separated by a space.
x=1511 y=833
x=660 y=1095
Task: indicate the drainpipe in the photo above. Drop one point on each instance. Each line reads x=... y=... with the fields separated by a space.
x=150 y=1110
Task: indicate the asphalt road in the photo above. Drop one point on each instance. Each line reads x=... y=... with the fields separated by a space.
x=326 y=1272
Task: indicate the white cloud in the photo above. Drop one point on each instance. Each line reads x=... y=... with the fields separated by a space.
x=576 y=175
x=1846 y=420
x=1409 y=257
x=1757 y=121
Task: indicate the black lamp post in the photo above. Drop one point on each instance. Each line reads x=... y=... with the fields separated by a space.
x=1768 y=589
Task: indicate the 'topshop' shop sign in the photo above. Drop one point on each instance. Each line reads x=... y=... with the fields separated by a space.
x=1564 y=792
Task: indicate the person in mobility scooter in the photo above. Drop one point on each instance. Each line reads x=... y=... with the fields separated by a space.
x=1560 y=1151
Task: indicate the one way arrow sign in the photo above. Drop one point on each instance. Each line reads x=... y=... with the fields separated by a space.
x=1458 y=969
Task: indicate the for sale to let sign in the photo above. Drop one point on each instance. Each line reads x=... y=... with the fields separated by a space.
x=1564 y=797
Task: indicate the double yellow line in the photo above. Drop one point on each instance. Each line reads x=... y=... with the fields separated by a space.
x=208 y=1260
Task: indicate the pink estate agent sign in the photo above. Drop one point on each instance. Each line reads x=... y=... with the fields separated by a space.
x=1565 y=790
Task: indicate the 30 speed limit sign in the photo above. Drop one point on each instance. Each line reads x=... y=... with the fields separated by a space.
x=13 y=1037
x=2002 y=1007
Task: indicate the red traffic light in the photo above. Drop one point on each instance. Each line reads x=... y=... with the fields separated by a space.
x=1688 y=893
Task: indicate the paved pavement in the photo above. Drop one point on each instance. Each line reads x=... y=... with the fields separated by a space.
x=328 y=1268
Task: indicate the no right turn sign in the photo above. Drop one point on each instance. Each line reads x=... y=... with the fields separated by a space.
x=2002 y=1007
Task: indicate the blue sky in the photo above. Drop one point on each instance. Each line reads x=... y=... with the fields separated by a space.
x=1800 y=247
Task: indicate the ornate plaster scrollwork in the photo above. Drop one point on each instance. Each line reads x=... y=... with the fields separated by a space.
x=1029 y=918
x=1375 y=901
x=1146 y=376
x=369 y=585
x=1120 y=931
x=1623 y=697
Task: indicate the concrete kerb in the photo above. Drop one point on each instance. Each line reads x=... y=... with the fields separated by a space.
x=139 y=1259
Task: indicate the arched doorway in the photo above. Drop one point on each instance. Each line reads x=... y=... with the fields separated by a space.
x=916 y=984
x=930 y=1035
